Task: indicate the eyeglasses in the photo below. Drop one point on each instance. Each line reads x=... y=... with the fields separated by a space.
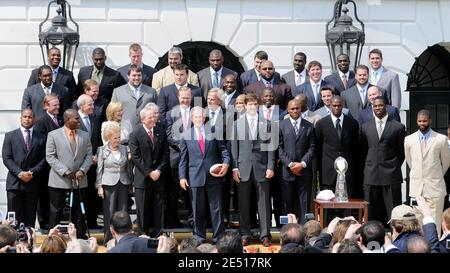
x=267 y=68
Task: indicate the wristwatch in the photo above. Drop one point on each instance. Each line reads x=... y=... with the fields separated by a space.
x=291 y=164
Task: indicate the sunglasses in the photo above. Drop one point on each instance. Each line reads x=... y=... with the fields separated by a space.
x=267 y=68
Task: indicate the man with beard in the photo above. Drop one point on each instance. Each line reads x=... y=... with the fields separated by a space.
x=382 y=142
x=253 y=75
x=299 y=75
x=282 y=91
x=428 y=156
x=342 y=79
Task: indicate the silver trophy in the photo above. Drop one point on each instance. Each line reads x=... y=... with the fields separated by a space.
x=341 y=166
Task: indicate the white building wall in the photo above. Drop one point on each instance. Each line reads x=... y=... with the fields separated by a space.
x=402 y=29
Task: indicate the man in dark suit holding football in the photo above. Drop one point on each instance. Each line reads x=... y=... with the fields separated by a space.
x=199 y=150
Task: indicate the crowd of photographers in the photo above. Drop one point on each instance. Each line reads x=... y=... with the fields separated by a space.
x=413 y=230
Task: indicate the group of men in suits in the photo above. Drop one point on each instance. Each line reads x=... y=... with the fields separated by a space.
x=188 y=140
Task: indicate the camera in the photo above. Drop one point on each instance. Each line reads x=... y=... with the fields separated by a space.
x=11 y=250
x=64 y=229
x=413 y=202
x=152 y=243
x=284 y=219
x=12 y=217
x=22 y=235
x=447 y=244
x=308 y=217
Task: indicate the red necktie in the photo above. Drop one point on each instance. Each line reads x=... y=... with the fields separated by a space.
x=201 y=142
x=150 y=134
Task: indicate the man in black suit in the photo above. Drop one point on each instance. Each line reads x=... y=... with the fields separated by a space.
x=33 y=96
x=342 y=79
x=91 y=125
x=213 y=75
x=168 y=95
x=60 y=75
x=107 y=77
x=299 y=75
x=45 y=124
x=382 y=142
x=150 y=154
x=23 y=154
x=367 y=114
x=178 y=121
x=355 y=98
x=126 y=242
x=296 y=152
x=254 y=75
x=135 y=53
x=337 y=135
x=282 y=91
x=253 y=166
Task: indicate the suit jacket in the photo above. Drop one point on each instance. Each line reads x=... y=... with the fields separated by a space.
x=61 y=159
x=323 y=112
x=94 y=133
x=232 y=100
x=250 y=76
x=165 y=77
x=45 y=124
x=296 y=148
x=383 y=156
x=130 y=243
x=168 y=98
x=132 y=105
x=33 y=98
x=204 y=78
x=352 y=100
x=311 y=116
x=289 y=78
x=148 y=156
x=251 y=155
x=427 y=171
x=367 y=114
x=111 y=170
x=390 y=84
x=111 y=79
x=174 y=131
x=100 y=105
x=306 y=89
x=282 y=92
x=16 y=159
x=194 y=166
x=64 y=77
x=334 y=80
x=330 y=147
x=147 y=73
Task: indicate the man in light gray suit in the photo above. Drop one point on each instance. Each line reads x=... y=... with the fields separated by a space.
x=33 y=96
x=134 y=96
x=69 y=154
x=299 y=75
x=384 y=78
x=253 y=165
x=355 y=98
x=213 y=75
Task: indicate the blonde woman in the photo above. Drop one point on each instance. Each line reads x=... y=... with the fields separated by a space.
x=113 y=179
x=114 y=112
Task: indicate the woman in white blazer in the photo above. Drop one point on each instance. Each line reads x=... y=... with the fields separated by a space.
x=113 y=179
x=114 y=113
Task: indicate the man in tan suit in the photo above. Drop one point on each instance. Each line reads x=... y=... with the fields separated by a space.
x=428 y=157
x=166 y=77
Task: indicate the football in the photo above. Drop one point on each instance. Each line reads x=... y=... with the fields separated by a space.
x=215 y=169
